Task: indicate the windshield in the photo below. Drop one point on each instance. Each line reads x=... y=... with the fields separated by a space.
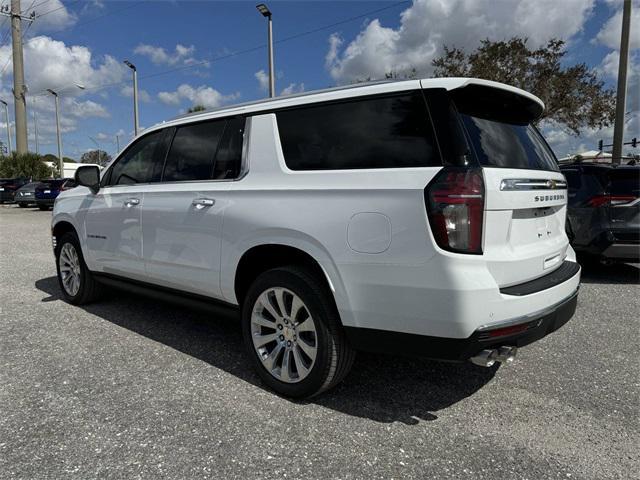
x=508 y=145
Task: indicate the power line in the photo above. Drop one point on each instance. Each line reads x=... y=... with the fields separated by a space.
x=257 y=47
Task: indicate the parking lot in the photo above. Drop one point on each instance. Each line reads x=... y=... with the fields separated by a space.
x=132 y=388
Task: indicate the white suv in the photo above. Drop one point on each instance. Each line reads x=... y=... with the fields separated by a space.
x=419 y=217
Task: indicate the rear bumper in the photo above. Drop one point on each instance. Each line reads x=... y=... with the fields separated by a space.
x=7 y=196
x=531 y=328
x=623 y=251
x=45 y=201
x=615 y=245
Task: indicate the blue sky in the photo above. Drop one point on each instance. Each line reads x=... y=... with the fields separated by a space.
x=214 y=52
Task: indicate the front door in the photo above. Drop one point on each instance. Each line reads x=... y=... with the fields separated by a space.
x=113 y=216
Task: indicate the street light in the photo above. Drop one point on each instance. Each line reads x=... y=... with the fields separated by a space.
x=135 y=95
x=264 y=10
x=6 y=116
x=60 y=160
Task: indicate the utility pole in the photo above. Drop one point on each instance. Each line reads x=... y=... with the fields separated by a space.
x=618 y=129
x=117 y=144
x=6 y=116
x=19 y=88
x=135 y=96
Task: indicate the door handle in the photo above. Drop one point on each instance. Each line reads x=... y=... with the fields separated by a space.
x=201 y=203
x=131 y=202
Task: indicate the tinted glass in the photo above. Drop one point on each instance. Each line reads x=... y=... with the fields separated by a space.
x=625 y=182
x=138 y=163
x=500 y=144
x=388 y=132
x=229 y=156
x=192 y=152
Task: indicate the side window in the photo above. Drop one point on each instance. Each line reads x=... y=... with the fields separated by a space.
x=382 y=132
x=229 y=156
x=138 y=164
x=192 y=151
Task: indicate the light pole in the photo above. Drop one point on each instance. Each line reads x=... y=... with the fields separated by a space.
x=621 y=93
x=60 y=161
x=135 y=95
x=6 y=116
x=264 y=10
x=35 y=125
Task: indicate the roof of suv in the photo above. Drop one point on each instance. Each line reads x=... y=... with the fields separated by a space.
x=343 y=92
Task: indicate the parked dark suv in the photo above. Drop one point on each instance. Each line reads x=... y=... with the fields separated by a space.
x=48 y=190
x=8 y=187
x=603 y=218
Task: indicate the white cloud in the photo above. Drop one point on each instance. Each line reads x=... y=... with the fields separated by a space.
x=180 y=56
x=263 y=80
x=54 y=16
x=293 y=88
x=610 y=32
x=429 y=24
x=143 y=95
x=202 y=95
x=52 y=64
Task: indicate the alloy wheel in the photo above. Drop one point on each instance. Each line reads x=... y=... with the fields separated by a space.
x=70 y=271
x=284 y=334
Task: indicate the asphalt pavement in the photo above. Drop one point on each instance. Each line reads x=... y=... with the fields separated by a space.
x=135 y=388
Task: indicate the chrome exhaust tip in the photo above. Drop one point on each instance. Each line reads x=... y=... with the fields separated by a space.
x=486 y=358
x=507 y=354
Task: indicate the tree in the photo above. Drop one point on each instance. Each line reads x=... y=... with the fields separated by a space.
x=99 y=157
x=196 y=108
x=27 y=165
x=574 y=97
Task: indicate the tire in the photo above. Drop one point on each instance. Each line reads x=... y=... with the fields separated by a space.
x=43 y=207
x=23 y=205
x=87 y=287
x=333 y=355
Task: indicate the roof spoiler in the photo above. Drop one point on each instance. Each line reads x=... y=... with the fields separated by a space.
x=493 y=100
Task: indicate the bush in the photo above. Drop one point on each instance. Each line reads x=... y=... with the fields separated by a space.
x=28 y=165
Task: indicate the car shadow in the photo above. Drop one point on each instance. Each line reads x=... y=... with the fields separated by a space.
x=616 y=273
x=380 y=387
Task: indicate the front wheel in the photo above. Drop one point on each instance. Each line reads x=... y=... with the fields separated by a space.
x=23 y=205
x=292 y=333
x=43 y=207
x=76 y=282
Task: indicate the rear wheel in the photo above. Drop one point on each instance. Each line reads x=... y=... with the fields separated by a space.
x=292 y=333
x=76 y=281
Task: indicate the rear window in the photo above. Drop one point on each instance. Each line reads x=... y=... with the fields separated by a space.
x=378 y=132
x=508 y=145
x=625 y=182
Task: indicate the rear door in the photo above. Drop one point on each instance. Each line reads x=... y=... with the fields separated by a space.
x=526 y=195
x=182 y=215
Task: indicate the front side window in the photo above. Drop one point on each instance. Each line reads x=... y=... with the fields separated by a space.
x=193 y=151
x=379 y=132
x=138 y=164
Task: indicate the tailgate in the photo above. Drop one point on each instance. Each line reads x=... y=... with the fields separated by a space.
x=525 y=213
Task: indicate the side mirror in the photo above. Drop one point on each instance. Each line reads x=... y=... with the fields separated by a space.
x=88 y=176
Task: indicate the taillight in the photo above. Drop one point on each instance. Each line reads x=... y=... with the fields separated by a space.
x=604 y=200
x=455 y=205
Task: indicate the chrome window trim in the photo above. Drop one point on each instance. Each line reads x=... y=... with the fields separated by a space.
x=244 y=165
x=511 y=184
